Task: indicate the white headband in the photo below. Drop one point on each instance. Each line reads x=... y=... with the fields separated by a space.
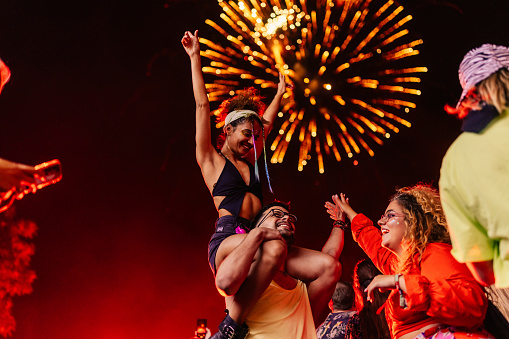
x=241 y=113
x=245 y=113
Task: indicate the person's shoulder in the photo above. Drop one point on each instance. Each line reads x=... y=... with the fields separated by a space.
x=457 y=146
x=436 y=252
x=351 y=314
x=437 y=247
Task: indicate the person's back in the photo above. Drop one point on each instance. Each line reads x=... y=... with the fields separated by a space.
x=474 y=178
x=368 y=323
x=341 y=305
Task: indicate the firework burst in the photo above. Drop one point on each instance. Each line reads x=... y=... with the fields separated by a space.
x=350 y=63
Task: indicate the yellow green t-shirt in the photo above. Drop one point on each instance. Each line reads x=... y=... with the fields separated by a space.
x=474 y=189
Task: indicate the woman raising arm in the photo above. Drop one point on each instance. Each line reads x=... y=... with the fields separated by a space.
x=237 y=193
x=432 y=294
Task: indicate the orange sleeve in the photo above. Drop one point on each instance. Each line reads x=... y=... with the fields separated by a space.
x=369 y=239
x=445 y=289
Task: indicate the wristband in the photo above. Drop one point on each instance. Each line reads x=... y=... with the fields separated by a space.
x=340 y=224
x=402 y=301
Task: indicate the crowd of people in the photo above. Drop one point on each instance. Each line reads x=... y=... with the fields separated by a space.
x=430 y=256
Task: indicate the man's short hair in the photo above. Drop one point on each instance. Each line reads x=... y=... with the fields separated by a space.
x=343 y=296
x=259 y=216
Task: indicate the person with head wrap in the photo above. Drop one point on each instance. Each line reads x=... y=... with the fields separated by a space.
x=234 y=183
x=474 y=178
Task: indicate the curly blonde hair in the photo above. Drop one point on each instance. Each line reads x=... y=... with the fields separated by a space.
x=425 y=222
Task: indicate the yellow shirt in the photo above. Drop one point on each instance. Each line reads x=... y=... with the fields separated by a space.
x=282 y=314
x=474 y=189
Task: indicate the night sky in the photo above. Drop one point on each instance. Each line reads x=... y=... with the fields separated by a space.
x=105 y=87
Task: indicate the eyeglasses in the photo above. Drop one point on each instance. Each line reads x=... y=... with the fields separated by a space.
x=389 y=215
x=279 y=214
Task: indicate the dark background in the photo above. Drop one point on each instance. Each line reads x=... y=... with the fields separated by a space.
x=105 y=87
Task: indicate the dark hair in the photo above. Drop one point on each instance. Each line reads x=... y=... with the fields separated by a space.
x=364 y=272
x=343 y=296
x=372 y=325
x=260 y=214
x=495 y=321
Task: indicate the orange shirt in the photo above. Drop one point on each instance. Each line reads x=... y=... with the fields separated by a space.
x=440 y=290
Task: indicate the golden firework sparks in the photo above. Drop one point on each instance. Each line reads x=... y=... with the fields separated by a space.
x=350 y=61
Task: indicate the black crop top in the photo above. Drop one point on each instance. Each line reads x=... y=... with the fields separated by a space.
x=231 y=185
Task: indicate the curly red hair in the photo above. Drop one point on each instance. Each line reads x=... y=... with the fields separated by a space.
x=248 y=98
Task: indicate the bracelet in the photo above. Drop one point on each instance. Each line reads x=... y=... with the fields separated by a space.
x=340 y=224
x=402 y=301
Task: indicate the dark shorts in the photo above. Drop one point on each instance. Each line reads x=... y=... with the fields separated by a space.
x=225 y=226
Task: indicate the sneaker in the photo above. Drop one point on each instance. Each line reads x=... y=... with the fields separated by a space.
x=229 y=329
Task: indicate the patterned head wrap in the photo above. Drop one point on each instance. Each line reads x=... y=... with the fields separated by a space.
x=245 y=113
x=479 y=63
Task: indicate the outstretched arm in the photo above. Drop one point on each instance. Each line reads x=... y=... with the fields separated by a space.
x=343 y=202
x=320 y=270
x=15 y=176
x=336 y=241
x=204 y=146
x=271 y=111
x=270 y=114
x=443 y=288
x=368 y=237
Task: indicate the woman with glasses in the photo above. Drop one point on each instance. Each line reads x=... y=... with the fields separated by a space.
x=233 y=181
x=432 y=295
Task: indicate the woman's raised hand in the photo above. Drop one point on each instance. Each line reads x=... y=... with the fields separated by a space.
x=191 y=43
x=335 y=211
x=344 y=203
x=283 y=85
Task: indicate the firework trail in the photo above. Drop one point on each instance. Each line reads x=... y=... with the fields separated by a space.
x=349 y=61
